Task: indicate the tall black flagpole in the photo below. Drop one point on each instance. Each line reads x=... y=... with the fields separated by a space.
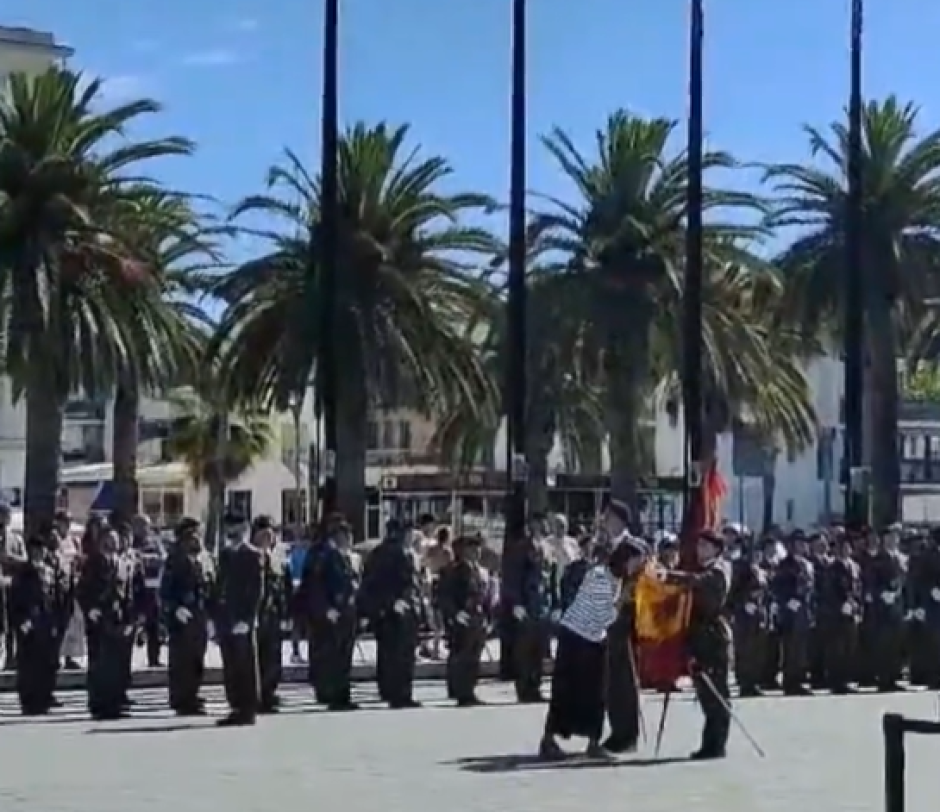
x=517 y=328
x=514 y=392
x=692 y=333
x=327 y=252
x=854 y=324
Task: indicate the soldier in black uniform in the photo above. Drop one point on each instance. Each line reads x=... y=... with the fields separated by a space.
x=838 y=611
x=709 y=642
x=924 y=592
x=391 y=599
x=38 y=600
x=187 y=588
x=463 y=593
x=104 y=593
x=240 y=591
x=820 y=559
x=274 y=614
x=327 y=599
x=748 y=604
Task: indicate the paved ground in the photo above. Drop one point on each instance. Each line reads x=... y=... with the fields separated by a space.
x=823 y=754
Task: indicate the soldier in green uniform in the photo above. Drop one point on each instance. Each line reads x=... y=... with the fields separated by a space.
x=240 y=591
x=327 y=595
x=866 y=552
x=463 y=593
x=888 y=573
x=709 y=642
x=38 y=594
x=274 y=614
x=104 y=593
x=838 y=611
x=747 y=604
x=187 y=587
x=391 y=599
x=532 y=594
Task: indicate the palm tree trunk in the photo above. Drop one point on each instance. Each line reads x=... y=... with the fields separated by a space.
x=769 y=490
x=124 y=443
x=627 y=391
x=45 y=414
x=215 y=508
x=540 y=437
x=352 y=404
x=883 y=395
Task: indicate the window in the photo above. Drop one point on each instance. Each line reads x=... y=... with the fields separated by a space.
x=791 y=456
x=293 y=506
x=388 y=435
x=372 y=435
x=239 y=503
x=404 y=435
x=791 y=509
x=173 y=507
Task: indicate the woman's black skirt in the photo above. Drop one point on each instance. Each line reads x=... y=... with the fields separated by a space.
x=577 y=703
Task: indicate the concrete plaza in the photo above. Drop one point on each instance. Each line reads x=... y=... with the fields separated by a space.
x=822 y=754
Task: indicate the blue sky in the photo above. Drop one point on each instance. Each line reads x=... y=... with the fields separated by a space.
x=242 y=77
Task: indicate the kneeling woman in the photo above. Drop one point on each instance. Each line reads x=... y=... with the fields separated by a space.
x=578 y=689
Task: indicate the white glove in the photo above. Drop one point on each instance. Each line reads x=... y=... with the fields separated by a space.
x=888 y=597
x=210 y=630
x=240 y=629
x=794 y=605
x=286 y=626
x=847 y=609
x=26 y=626
x=750 y=608
x=463 y=618
x=935 y=594
x=128 y=631
x=94 y=615
x=556 y=615
x=400 y=607
x=183 y=615
x=332 y=615
x=920 y=614
x=518 y=612
x=868 y=598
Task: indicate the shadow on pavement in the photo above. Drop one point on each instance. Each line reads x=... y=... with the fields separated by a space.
x=11 y=721
x=171 y=727
x=508 y=763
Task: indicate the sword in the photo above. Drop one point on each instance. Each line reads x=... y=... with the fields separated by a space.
x=731 y=714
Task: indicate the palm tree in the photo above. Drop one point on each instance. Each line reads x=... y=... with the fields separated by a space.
x=219 y=444
x=563 y=393
x=65 y=161
x=405 y=291
x=624 y=241
x=161 y=231
x=899 y=233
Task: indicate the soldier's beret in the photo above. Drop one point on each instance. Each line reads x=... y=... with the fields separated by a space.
x=621 y=510
x=262 y=523
x=187 y=524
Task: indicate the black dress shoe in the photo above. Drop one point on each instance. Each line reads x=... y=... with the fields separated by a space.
x=619 y=746
x=344 y=706
x=404 y=704
x=195 y=710
x=708 y=754
x=470 y=702
x=237 y=720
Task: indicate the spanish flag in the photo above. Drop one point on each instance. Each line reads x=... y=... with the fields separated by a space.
x=663 y=610
x=661 y=623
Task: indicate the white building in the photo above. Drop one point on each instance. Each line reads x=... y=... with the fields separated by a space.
x=22 y=49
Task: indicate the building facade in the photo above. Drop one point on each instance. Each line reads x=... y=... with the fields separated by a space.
x=28 y=51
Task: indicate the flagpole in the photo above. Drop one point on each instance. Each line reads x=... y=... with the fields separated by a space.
x=515 y=386
x=692 y=299
x=854 y=316
x=326 y=253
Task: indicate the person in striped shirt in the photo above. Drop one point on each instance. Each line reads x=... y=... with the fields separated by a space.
x=577 y=703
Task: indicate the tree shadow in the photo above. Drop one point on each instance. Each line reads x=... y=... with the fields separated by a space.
x=531 y=762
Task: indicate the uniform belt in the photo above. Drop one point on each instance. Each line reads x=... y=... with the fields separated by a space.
x=152 y=583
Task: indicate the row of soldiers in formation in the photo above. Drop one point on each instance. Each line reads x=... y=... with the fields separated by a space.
x=245 y=599
x=837 y=611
